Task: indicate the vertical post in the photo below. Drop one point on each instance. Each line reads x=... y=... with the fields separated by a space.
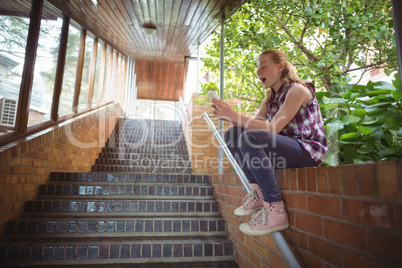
x=80 y=68
x=198 y=67
x=21 y=123
x=61 y=61
x=221 y=87
x=397 y=9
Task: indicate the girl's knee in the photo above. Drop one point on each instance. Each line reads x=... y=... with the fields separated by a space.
x=232 y=134
x=253 y=138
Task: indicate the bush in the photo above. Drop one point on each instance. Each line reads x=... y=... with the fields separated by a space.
x=363 y=124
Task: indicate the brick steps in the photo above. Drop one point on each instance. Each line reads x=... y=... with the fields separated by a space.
x=125 y=156
x=127 y=190
x=143 y=160
x=128 y=227
x=123 y=212
x=113 y=168
x=115 y=250
x=129 y=177
x=97 y=207
x=137 y=149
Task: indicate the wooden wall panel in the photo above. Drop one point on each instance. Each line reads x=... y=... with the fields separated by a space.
x=160 y=80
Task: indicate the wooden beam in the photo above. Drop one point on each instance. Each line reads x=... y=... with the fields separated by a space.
x=28 y=70
x=61 y=61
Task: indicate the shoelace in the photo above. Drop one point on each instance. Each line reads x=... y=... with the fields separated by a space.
x=250 y=197
x=260 y=215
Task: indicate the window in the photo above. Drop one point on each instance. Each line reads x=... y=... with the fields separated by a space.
x=112 y=87
x=98 y=82
x=105 y=97
x=70 y=69
x=45 y=67
x=83 y=102
x=13 y=40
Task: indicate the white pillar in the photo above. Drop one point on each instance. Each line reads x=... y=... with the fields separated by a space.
x=221 y=87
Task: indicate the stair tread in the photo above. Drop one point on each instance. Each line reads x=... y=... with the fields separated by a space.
x=121 y=213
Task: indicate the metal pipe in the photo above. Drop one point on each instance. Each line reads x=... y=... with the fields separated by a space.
x=277 y=236
x=198 y=67
x=397 y=9
x=224 y=148
x=221 y=87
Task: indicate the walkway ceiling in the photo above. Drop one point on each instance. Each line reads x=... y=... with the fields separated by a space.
x=180 y=24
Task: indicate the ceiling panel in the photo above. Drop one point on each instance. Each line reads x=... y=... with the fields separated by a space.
x=180 y=24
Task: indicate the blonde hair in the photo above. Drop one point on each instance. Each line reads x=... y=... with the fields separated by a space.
x=288 y=75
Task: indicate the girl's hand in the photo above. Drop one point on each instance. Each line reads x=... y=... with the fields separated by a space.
x=222 y=110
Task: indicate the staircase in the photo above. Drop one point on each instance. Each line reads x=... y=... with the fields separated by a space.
x=140 y=206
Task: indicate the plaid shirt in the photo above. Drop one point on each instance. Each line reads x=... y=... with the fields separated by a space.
x=306 y=126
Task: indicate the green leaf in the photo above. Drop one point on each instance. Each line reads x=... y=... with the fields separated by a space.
x=360 y=113
x=349 y=119
x=364 y=130
x=379 y=92
x=397 y=95
x=381 y=85
x=350 y=136
x=335 y=125
x=386 y=152
x=363 y=150
x=372 y=122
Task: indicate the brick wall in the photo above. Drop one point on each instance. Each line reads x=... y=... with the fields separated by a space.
x=341 y=216
x=70 y=146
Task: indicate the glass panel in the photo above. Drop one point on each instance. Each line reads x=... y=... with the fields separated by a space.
x=70 y=70
x=13 y=40
x=105 y=86
x=112 y=89
x=40 y=105
x=99 y=74
x=83 y=100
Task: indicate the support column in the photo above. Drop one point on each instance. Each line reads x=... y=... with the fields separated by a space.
x=221 y=87
x=198 y=68
x=397 y=10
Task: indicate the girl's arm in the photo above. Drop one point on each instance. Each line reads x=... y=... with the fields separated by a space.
x=296 y=97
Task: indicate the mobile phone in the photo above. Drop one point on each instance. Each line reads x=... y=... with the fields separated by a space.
x=212 y=95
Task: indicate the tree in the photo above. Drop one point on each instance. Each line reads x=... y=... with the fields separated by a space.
x=324 y=39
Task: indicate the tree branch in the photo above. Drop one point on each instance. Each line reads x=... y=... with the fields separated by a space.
x=378 y=64
x=300 y=45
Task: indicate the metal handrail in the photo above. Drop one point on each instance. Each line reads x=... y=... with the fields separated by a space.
x=277 y=236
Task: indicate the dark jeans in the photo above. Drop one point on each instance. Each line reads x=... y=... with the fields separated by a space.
x=258 y=153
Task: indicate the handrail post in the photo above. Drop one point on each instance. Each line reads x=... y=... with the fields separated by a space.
x=277 y=236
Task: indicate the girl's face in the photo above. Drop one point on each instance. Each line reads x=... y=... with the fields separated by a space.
x=268 y=72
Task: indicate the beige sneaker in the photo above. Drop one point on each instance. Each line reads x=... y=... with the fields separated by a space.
x=267 y=220
x=251 y=203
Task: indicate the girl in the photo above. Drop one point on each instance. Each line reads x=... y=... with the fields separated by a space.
x=287 y=132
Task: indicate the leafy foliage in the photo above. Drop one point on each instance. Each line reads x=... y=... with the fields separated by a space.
x=324 y=39
x=363 y=123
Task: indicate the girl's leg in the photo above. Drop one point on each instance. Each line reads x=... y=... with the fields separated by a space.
x=231 y=137
x=262 y=150
x=253 y=200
